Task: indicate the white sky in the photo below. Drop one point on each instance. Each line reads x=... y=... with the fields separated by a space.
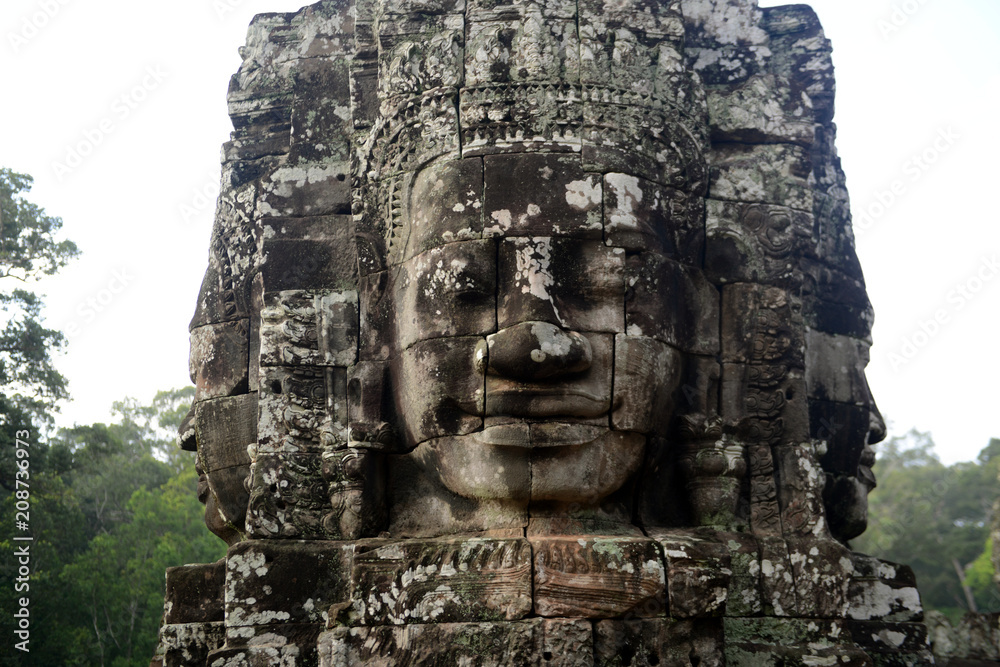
x=145 y=84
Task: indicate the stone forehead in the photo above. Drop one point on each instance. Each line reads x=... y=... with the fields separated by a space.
x=535 y=195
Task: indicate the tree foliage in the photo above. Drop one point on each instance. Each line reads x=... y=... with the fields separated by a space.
x=934 y=517
x=109 y=514
x=30 y=385
x=30 y=249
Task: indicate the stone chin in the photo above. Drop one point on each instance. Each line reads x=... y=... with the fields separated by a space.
x=847 y=503
x=528 y=463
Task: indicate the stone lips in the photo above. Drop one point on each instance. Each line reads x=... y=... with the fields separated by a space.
x=575 y=276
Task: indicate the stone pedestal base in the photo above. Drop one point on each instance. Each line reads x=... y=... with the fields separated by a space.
x=681 y=598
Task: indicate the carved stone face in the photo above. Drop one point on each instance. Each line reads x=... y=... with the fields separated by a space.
x=513 y=360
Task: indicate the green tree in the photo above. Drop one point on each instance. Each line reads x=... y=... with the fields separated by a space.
x=935 y=518
x=109 y=514
x=30 y=385
x=119 y=581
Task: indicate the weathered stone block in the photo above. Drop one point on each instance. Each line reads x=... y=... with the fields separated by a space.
x=212 y=308
x=219 y=362
x=441 y=581
x=289 y=498
x=542 y=195
x=906 y=642
x=597 y=577
x=322 y=264
x=822 y=569
x=654 y=641
x=321 y=112
x=576 y=284
x=771 y=401
x=195 y=593
x=277 y=582
x=755 y=243
x=761 y=109
x=449 y=397
x=744 y=596
x=759 y=327
x=418 y=53
x=518 y=117
x=698 y=573
x=423 y=503
x=496 y=50
x=802 y=56
x=835 y=302
x=532 y=643
x=225 y=428
x=423 y=129
x=447 y=292
x=302 y=409
x=643 y=141
x=588 y=473
x=262 y=656
x=262 y=640
x=646 y=374
x=835 y=368
x=495 y=10
x=585 y=394
x=672 y=303
x=762 y=173
x=722 y=22
x=800 y=491
x=444 y=205
x=646 y=16
x=845 y=429
x=727 y=66
x=883 y=591
x=187 y=644
x=773 y=642
x=309 y=328
x=307 y=189
x=777 y=581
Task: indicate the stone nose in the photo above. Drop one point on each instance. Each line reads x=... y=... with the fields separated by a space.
x=537 y=350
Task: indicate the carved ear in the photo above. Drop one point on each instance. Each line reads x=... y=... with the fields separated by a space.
x=186 y=434
x=369 y=408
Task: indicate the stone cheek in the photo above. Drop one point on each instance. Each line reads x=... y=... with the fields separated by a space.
x=441 y=388
x=641 y=363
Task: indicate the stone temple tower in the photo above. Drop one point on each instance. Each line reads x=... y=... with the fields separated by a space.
x=533 y=333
